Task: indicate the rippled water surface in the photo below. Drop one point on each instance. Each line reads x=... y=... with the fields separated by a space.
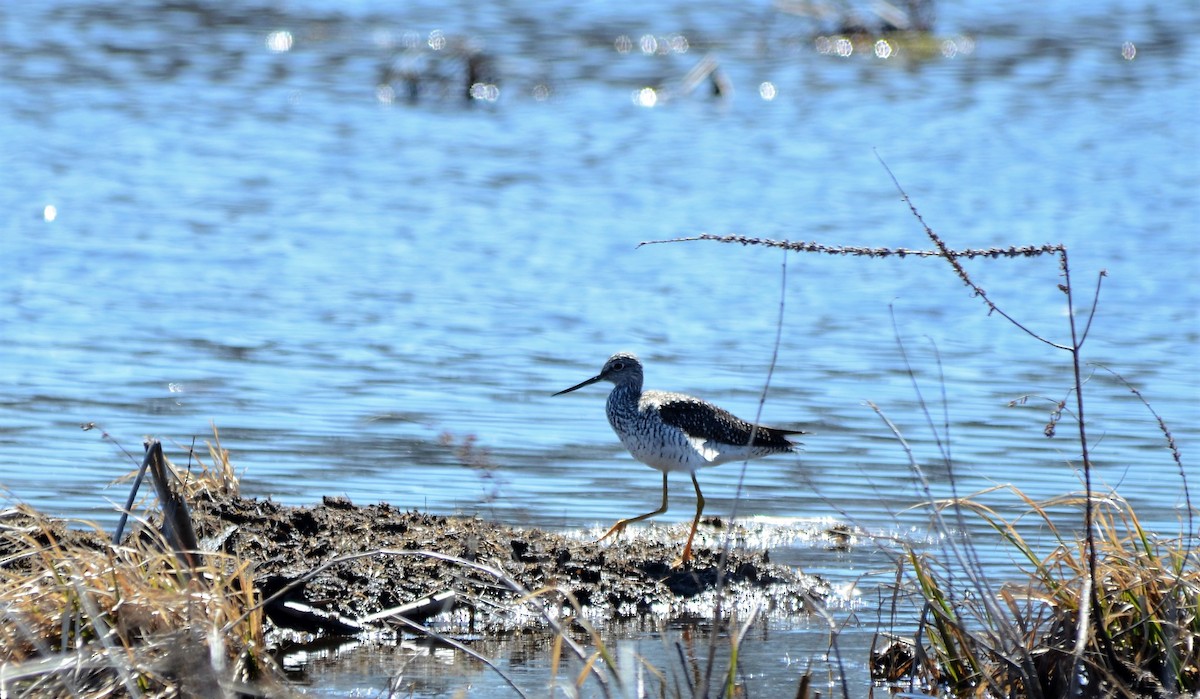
x=216 y=215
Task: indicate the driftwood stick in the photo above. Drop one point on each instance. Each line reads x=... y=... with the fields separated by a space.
x=419 y=610
x=137 y=483
x=177 y=521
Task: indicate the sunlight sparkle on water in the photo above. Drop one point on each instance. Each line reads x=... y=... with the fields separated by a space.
x=645 y=97
x=961 y=46
x=834 y=46
x=49 y=213
x=486 y=92
x=280 y=41
x=766 y=90
x=837 y=46
x=651 y=45
x=679 y=43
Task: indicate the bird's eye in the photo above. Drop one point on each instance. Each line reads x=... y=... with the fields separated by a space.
x=618 y=366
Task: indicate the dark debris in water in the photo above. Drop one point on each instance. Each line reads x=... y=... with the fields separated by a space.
x=624 y=580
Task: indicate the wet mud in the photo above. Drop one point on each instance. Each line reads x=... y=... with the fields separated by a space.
x=352 y=563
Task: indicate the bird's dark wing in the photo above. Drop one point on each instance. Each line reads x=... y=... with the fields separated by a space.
x=705 y=420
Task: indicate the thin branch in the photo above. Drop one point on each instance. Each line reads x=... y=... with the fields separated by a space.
x=942 y=251
x=860 y=251
x=1095 y=305
x=459 y=645
x=727 y=545
x=952 y=257
x=1178 y=458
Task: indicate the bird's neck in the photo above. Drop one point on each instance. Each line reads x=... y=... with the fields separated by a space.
x=625 y=395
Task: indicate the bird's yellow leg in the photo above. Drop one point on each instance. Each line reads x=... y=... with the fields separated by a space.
x=620 y=526
x=686 y=556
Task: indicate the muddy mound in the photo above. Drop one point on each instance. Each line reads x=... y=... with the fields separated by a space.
x=359 y=561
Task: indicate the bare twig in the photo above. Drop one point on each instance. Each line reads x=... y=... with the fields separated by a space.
x=1175 y=455
x=459 y=645
x=1095 y=305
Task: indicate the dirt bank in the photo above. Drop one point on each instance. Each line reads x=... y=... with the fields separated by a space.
x=622 y=580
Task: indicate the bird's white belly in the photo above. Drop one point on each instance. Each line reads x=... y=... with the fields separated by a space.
x=675 y=451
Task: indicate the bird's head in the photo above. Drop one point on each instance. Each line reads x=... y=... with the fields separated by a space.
x=621 y=368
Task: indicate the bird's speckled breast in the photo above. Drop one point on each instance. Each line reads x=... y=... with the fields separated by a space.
x=637 y=423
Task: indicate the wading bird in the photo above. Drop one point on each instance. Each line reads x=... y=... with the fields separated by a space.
x=677 y=432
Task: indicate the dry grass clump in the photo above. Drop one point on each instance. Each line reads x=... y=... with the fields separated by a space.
x=79 y=616
x=212 y=478
x=1039 y=639
x=216 y=477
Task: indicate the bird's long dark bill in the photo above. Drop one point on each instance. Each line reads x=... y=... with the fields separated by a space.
x=577 y=386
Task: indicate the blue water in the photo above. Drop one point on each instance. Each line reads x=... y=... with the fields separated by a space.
x=206 y=229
